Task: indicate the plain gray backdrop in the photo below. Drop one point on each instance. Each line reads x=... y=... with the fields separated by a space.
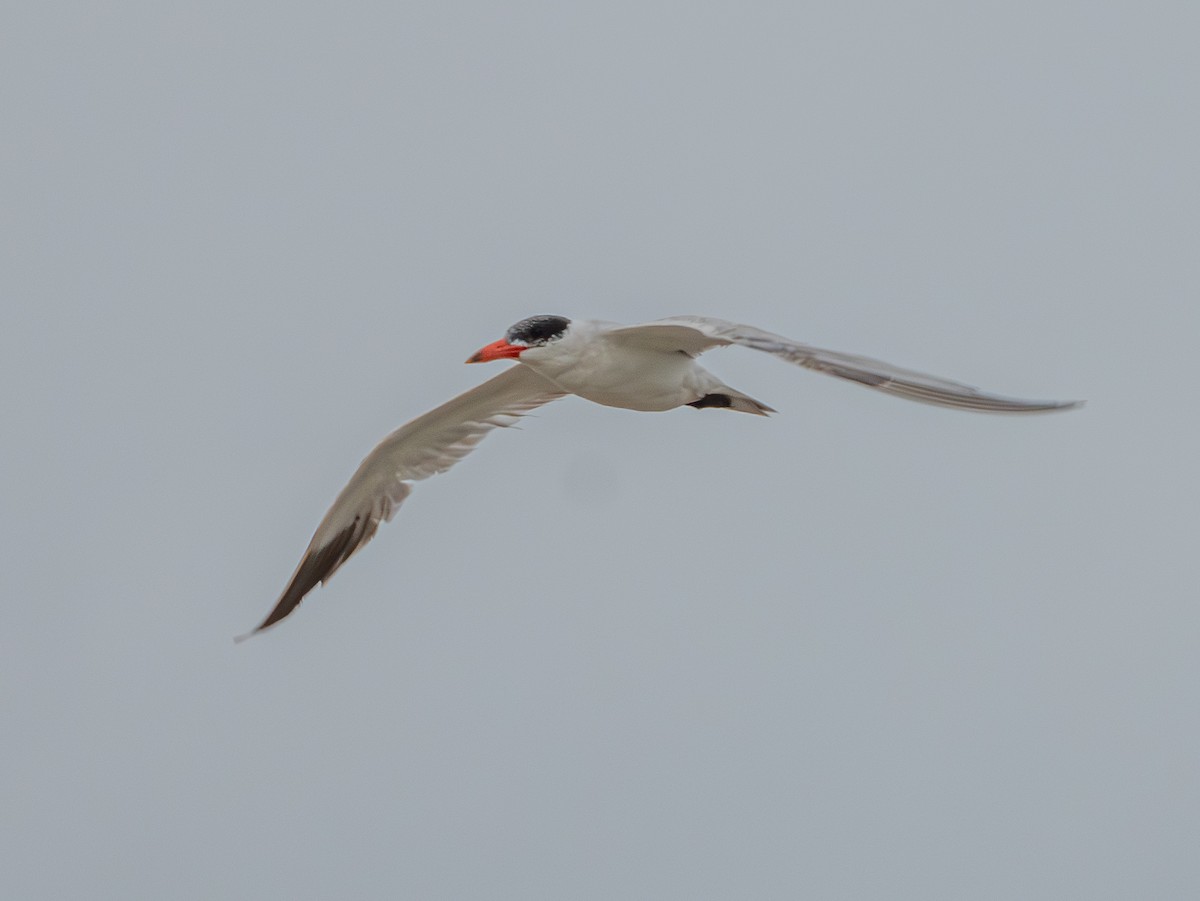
x=862 y=649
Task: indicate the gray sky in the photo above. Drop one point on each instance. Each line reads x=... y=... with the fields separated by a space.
x=864 y=649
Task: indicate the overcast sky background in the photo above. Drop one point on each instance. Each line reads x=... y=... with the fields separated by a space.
x=863 y=649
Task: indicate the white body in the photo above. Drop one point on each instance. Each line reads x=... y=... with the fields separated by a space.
x=592 y=361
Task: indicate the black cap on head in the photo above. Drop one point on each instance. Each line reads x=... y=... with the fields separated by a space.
x=537 y=330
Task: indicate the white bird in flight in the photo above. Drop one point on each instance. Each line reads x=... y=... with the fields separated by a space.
x=642 y=367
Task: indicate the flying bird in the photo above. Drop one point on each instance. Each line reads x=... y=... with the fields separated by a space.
x=648 y=367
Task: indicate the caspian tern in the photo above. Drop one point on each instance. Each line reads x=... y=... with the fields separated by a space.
x=642 y=367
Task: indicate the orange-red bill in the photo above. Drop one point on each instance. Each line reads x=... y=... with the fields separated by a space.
x=497 y=350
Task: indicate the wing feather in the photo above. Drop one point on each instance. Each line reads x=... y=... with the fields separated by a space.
x=427 y=445
x=696 y=334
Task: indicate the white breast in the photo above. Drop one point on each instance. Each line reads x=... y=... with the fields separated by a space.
x=618 y=374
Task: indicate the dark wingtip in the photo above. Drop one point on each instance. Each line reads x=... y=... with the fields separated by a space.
x=1053 y=406
x=314 y=569
x=265 y=624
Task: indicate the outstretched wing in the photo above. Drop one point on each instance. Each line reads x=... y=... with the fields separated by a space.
x=696 y=334
x=430 y=444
